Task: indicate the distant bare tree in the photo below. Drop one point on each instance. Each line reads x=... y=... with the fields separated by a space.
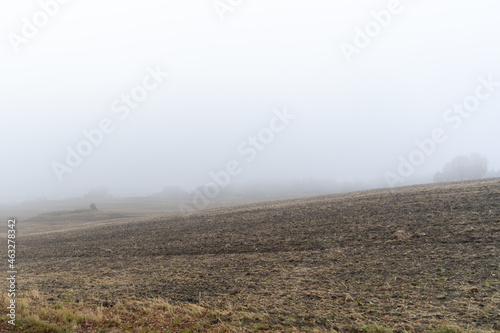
x=463 y=168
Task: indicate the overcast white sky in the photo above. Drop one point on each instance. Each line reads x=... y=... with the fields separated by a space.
x=353 y=120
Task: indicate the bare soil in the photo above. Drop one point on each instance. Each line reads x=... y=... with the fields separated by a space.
x=414 y=259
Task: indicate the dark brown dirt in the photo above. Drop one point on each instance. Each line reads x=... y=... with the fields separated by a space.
x=412 y=258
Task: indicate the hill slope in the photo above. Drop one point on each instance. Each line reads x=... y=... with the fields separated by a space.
x=409 y=258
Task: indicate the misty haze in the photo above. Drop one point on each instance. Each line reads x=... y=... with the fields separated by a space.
x=237 y=165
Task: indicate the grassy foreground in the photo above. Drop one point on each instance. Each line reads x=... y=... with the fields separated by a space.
x=159 y=315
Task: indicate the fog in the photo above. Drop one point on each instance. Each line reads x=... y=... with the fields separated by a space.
x=177 y=93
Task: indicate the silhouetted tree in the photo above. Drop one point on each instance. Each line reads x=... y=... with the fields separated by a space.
x=463 y=168
x=93 y=206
